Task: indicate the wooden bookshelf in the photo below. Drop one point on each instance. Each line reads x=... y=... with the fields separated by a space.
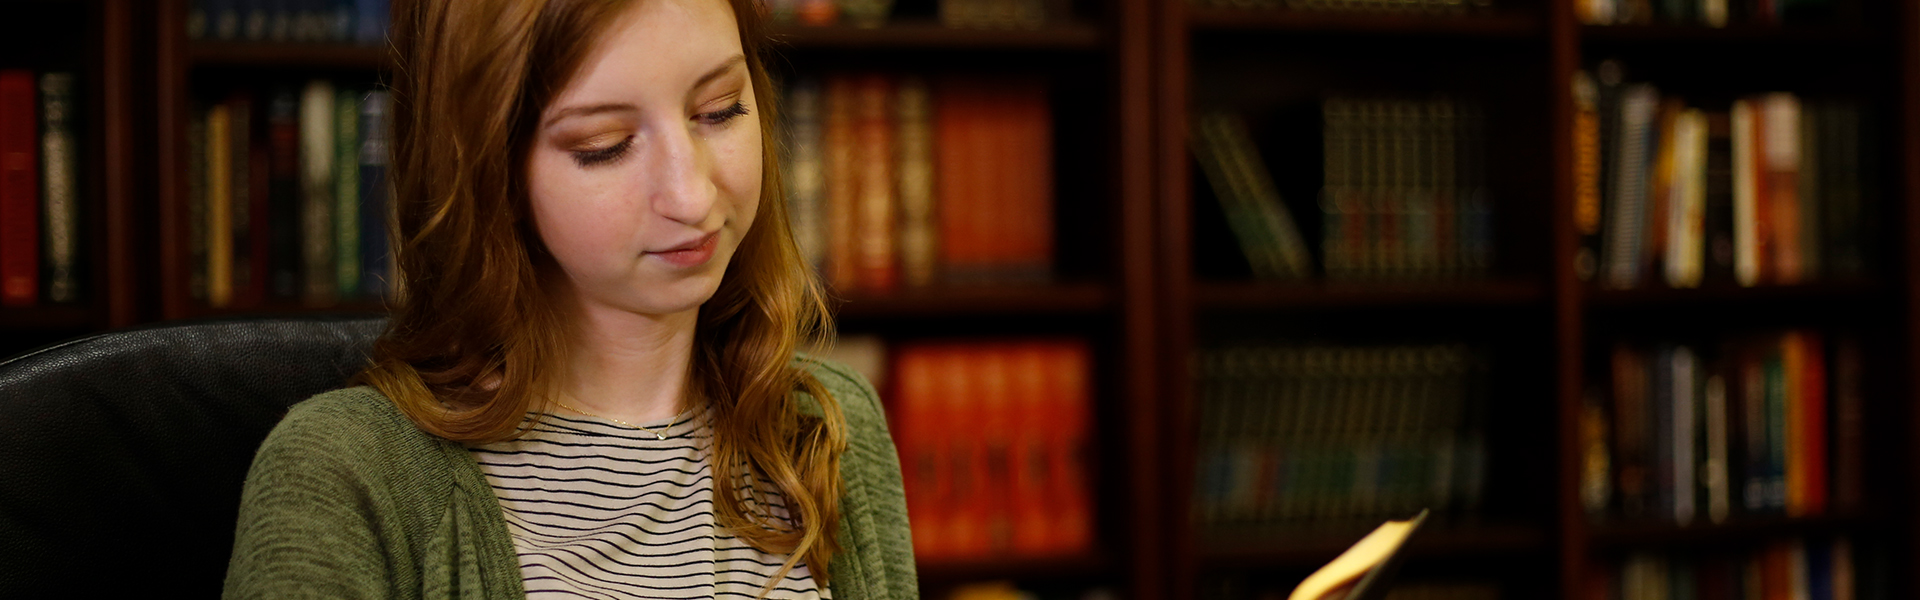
x=910 y=35
x=1323 y=295
x=1135 y=277
x=1311 y=548
x=1496 y=25
x=1736 y=531
x=284 y=55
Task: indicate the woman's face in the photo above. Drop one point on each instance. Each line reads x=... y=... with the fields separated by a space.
x=645 y=171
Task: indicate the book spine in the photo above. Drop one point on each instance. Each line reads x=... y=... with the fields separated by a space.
x=1776 y=433
x=1586 y=173
x=1812 y=420
x=1811 y=192
x=377 y=278
x=1626 y=224
x=1029 y=173
x=284 y=194
x=19 y=190
x=1718 y=478
x=806 y=172
x=1280 y=238
x=1685 y=406
x=1033 y=411
x=219 y=224
x=197 y=204
x=918 y=378
x=918 y=249
x=1718 y=221
x=253 y=184
x=875 y=263
x=1071 y=371
x=1746 y=242
x=346 y=189
x=994 y=502
x=317 y=199
x=1781 y=114
x=59 y=155
x=840 y=184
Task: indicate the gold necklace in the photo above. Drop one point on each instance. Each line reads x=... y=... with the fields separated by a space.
x=656 y=434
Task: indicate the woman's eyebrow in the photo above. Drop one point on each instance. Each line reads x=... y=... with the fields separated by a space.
x=577 y=111
x=594 y=109
x=725 y=66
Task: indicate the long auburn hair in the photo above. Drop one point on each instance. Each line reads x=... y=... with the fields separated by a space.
x=476 y=337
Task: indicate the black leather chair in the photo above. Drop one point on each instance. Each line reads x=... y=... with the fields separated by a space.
x=122 y=454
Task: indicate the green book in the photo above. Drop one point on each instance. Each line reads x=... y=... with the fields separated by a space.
x=346 y=190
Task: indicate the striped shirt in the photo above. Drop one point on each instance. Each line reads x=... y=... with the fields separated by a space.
x=601 y=510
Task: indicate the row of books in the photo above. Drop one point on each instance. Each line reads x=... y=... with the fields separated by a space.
x=1403 y=193
x=1767 y=425
x=993 y=439
x=1799 y=568
x=1006 y=590
x=1711 y=13
x=1767 y=189
x=1294 y=434
x=1409 y=7
x=901 y=182
x=1263 y=586
x=331 y=21
x=963 y=14
x=287 y=197
x=39 y=189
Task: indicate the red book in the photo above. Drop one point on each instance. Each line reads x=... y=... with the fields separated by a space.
x=19 y=190
x=876 y=264
x=837 y=140
x=1033 y=409
x=1813 y=422
x=1029 y=181
x=1072 y=390
x=959 y=186
x=1762 y=196
x=916 y=381
x=964 y=367
x=995 y=439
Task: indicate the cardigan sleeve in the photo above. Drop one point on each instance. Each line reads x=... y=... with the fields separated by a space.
x=878 y=561
x=307 y=526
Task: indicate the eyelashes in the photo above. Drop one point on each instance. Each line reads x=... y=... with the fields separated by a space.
x=590 y=158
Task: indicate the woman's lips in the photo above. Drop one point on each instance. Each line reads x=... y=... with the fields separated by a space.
x=695 y=255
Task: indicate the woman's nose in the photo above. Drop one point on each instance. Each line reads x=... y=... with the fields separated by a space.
x=678 y=184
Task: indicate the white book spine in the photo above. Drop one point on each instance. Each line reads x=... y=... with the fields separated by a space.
x=1684 y=405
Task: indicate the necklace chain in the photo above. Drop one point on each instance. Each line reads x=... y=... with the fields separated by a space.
x=656 y=434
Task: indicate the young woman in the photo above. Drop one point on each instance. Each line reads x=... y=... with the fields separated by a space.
x=589 y=386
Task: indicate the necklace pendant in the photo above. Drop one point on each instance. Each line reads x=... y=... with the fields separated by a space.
x=660 y=436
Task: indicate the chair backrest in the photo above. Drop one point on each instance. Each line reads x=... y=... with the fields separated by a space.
x=122 y=455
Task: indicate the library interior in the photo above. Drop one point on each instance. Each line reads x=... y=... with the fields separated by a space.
x=1161 y=298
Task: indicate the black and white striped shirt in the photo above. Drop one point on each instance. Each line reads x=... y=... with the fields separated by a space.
x=601 y=510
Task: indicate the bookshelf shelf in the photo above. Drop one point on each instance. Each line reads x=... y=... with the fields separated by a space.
x=1049 y=567
x=1738 y=530
x=1296 y=21
x=47 y=318
x=1847 y=37
x=1312 y=548
x=983 y=300
x=1485 y=294
x=932 y=35
x=286 y=54
x=1834 y=293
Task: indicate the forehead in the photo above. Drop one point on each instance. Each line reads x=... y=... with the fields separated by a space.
x=657 y=47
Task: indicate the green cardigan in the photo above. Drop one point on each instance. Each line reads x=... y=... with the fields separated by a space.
x=348 y=499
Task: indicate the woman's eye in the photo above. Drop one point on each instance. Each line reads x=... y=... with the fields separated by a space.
x=588 y=158
x=722 y=116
